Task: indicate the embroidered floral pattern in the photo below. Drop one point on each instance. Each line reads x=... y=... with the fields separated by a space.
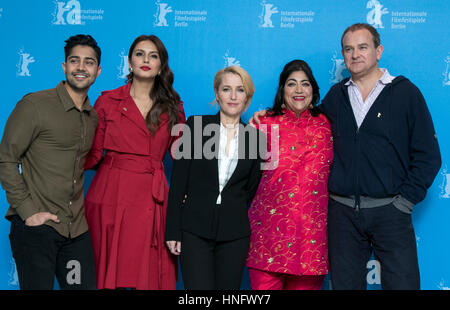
x=288 y=215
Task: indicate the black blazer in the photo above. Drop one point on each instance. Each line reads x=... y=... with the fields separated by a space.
x=198 y=179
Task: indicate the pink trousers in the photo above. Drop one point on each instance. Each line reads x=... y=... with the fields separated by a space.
x=266 y=280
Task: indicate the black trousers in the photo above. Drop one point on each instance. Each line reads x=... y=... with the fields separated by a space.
x=207 y=264
x=212 y=265
x=385 y=230
x=40 y=253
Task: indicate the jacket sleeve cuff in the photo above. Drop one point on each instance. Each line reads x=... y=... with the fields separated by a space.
x=26 y=209
x=172 y=236
x=173 y=229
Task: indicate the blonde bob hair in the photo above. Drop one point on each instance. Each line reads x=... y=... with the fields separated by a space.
x=247 y=82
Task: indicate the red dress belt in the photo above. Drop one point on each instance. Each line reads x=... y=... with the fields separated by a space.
x=146 y=165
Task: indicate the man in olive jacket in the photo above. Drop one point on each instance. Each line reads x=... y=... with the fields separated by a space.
x=42 y=153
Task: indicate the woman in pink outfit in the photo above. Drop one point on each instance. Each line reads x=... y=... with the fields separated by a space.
x=288 y=216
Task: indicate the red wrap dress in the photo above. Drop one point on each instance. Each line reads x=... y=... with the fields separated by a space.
x=288 y=215
x=127 y=199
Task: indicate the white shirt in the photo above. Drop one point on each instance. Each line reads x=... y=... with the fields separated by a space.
x=226 y=163
x=360 y=107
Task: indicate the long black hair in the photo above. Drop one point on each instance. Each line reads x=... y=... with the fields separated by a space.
x=289 y=68
x=164 y=96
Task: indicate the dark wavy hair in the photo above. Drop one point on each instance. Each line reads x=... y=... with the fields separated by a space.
x=289 y=68
x=82 y=39
x=165 y=98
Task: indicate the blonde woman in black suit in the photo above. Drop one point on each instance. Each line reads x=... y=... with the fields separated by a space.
x=212 y=186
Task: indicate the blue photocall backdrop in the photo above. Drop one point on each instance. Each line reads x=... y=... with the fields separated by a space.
x=203 y=36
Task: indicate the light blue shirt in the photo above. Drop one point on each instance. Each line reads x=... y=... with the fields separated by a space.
x=361 y=107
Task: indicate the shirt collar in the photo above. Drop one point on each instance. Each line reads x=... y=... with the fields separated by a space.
x=67 y=100
x=223 y=130
x=385 y=79
x=293 y=115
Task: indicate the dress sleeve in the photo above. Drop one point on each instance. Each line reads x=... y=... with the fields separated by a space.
x=95 y=154
x=270 y=131
x=257 y=167
x=318 y=161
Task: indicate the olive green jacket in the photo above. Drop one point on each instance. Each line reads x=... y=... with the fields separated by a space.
x=42 y=155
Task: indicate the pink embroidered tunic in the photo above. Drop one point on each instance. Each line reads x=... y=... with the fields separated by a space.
x=288 y=215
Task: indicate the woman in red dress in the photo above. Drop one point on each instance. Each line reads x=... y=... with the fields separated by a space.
x=127 y=199
x=288 y=216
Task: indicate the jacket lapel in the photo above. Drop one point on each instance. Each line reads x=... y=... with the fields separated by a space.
x=129 y=109
x=240 y=161
x=215 y=119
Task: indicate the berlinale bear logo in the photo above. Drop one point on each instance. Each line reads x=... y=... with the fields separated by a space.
x=73 y=10
x=161 y=11
x=374 y=15
x=25 y=60
x=267 y=12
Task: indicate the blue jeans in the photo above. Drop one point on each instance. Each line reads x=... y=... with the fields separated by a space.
x=385 y=230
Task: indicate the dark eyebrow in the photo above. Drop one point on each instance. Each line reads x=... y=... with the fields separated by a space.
x=292 y=79
x=78 y=57
x=141 y=50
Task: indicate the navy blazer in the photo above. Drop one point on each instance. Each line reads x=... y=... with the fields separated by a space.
x=198 y=179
